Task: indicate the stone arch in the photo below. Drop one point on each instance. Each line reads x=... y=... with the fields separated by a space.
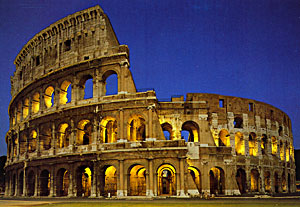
x=35 y=103
x=108 y=130
x=238 y=122
x=267 y=181
x=168 y=131
x=31 y=183
x=84 y=178
x=49 y=96
x=283 y=182
x=166 y=179
x=194 y=181
x=253 y=151
x=136 y=128
x=136 y=180
x=63 y=135
x=19 y=108
x=23 y=142
x=241 y=180
x=264 y=144
x=84 y=132
x=274 y=145
x=86 y=87
x=65 y=94
x=239 y=144
x=224 y=138
x=217 y=180
x=110 y=81
x=45 y=183
x=281 y=147
x=21 y=183
x=254 y=178
x=32 y=141
x=25 y=107
x=45 y=137
x=193 y=129
x=62 y=182
x=110 y=181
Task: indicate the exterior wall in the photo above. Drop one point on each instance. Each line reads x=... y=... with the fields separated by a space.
x=115 y=145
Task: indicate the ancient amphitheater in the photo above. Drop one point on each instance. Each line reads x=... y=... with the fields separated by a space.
x=62 y=142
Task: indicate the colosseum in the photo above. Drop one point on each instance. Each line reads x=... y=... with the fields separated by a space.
x=65 y=142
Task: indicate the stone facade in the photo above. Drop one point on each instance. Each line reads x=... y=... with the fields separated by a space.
x=62 y=143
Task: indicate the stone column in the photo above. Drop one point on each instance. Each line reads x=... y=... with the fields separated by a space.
x=24 y=180
x=150 y=179
x=181 y=168
x=71 y=181
x=72 y=141
x=121 y=128
x=94 y=181
x=120 y=192
x=205 y=178
x=262 y=181
x=52 y=183
x=18 y=146
x=95 y=124
x=36 y=184
x=54 y=142
x=150 y=125
x=38 y=147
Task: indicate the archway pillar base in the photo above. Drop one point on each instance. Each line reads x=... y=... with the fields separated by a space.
x=232 y=192
x=120 y=193
x=149 y=193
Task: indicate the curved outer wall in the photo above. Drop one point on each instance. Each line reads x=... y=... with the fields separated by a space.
x=63 y=143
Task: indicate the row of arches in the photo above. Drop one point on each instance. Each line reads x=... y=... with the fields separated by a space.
x=265 y=181
x=66 y=93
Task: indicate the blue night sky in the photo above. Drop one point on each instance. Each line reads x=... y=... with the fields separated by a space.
x=244 y=48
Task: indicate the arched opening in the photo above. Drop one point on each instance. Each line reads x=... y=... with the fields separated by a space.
x=168 y=131
x=63 y=181
x=19 y=108
x=283 y=182
x=110 y=181
x=63 y=136
x=194 y=181
x=274 y=145
x=166 y=180
x=276 y=184
x=21 y=183
x=254 y=176
x=110 y=79
x=239 y=144
x=217 y=181
x=45 y=183
x=84 y=181
x=30 y=183
x=193 y=129
x=281 y=150
x=49 y=97
x=86 y=87
x=136 y=128
x=241 y=180
x=253 y=144
x=32 y=141
x=46 y=137
x=84 y=132
x=224 y=138
x=267 y=181
x=264 y=144
x=65 y=93
x=238 y=122
x=287 y=151
x=13 y=185
x=25 y=108
x=15 y=145
x=35 y=102
x=137 y=180
x=23 y=140
x=109 y=130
